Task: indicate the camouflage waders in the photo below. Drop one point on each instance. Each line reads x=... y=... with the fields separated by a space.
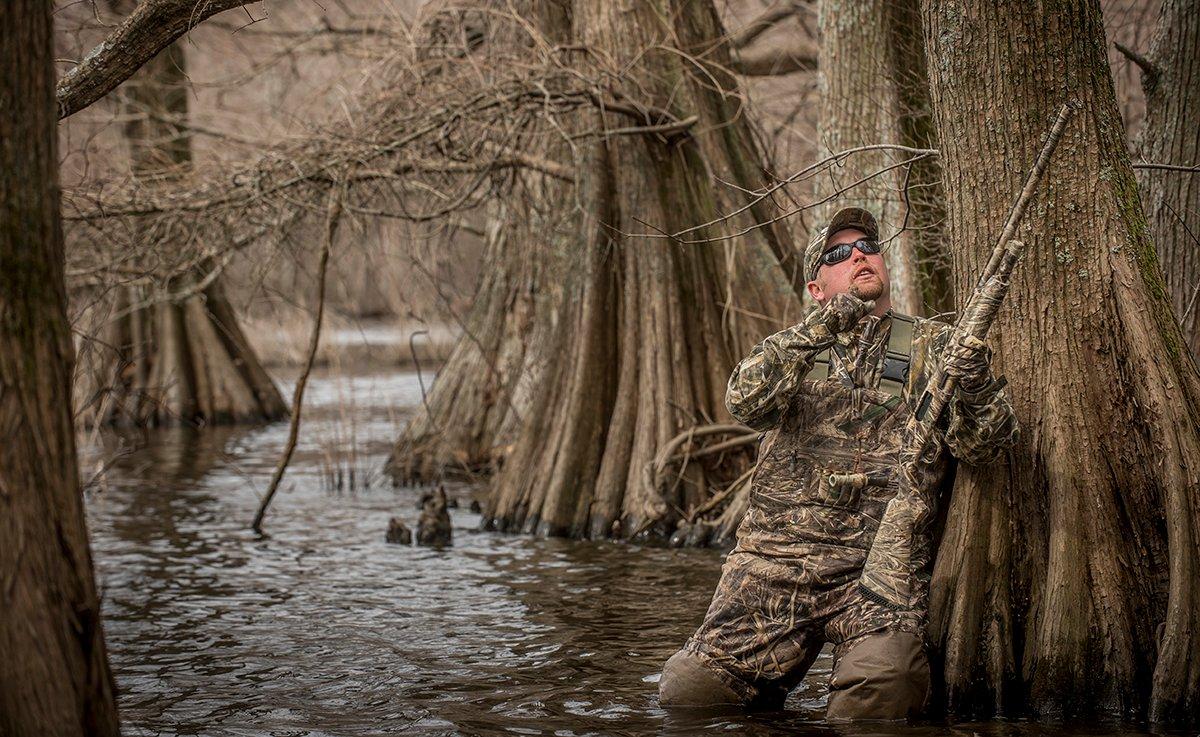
x=834 y=408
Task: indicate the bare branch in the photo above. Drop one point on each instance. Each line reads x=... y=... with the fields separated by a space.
x=508 y=158
x=149 y=29
x=639 y=111
x=314 y=340
x=835 y=159
x=1150 y=71
x=380 y=27
x=665 y=129
x=765 y=21
x=774 y=62
x=1165 y=167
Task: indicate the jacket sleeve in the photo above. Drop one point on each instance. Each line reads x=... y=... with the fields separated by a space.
x=765 y=381
x=982 y=424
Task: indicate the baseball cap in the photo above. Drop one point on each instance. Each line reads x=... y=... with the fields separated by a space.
x=847 y=217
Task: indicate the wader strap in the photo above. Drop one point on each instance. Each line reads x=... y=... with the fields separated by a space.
x=899 y=355
x=895 y=362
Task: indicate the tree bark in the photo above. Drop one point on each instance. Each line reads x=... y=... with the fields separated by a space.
x=54 y=675
x=874 y=89
x=1171 y=135
x=475 y=406
x=186 y=361
x=651 y=326
x=1057 y=567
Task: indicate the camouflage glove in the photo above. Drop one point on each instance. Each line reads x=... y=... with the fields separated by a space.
x=968 y=359
x=840 y=314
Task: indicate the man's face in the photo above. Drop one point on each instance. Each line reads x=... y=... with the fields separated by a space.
x=864 y=276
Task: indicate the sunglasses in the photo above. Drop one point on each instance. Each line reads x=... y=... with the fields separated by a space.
x=842 y=251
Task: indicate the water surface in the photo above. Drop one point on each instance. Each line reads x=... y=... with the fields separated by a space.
x=321 y=628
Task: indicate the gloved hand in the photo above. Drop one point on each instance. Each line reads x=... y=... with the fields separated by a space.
x=842 y=312
x=968 y=359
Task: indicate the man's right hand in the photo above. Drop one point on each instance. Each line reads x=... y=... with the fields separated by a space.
x=843 y=312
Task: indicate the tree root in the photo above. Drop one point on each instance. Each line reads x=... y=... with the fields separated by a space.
x=694 y=527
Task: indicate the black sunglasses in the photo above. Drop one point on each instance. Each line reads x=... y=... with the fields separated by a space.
x=842 y=251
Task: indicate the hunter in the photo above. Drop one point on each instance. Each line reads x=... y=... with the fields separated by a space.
x=832 y=395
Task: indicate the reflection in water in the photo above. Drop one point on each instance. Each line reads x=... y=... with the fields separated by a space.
x=323 y=628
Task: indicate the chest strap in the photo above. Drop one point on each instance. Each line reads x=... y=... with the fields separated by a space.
x=896 y=361
x=899 y=355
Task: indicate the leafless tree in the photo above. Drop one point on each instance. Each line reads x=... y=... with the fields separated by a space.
x=1058 y=568
x=54 y=675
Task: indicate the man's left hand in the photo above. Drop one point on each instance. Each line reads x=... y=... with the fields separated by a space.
x=967 y=359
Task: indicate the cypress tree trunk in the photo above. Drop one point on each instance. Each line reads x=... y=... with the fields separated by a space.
x=184 y=361
x=650 y=327
x=874 y=89
x=476 y=405
x=471 y=415
x=1057 y=567
x=54 y=676
x=1171 y=135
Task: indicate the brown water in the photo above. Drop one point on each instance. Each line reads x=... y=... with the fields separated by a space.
x=321 y=628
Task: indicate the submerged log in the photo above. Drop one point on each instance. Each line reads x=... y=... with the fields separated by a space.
x=398 y=532
x=433 y=528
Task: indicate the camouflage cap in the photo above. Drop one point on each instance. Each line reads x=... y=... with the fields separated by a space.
x=847 y=217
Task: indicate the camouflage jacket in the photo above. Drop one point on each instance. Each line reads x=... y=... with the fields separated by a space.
x=827 y=462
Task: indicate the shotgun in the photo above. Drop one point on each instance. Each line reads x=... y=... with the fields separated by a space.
x=897 y=554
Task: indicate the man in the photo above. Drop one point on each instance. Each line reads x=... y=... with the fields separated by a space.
x=833 y=394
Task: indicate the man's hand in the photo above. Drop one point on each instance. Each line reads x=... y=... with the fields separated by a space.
x=967 y=359
x=843 y=312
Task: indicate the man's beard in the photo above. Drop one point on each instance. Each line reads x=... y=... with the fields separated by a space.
x=874 y=290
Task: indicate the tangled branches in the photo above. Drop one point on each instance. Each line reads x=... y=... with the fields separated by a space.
x=479 y=105
x=451 y=126
x=714 y=520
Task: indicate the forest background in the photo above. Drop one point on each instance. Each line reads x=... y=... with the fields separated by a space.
x=403 y=168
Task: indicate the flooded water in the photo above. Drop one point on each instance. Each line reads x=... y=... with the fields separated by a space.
x=321 y=628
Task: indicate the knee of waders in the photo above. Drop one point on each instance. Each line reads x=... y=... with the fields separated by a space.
x=688 y=681
x=880 y=676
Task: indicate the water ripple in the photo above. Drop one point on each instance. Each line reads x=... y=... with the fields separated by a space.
x=322 y=628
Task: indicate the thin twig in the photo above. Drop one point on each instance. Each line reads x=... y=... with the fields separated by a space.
x=1150 y=70
x=1166 y=167
x=331 y=223
x=762 y=23
x=721 y=496
x=652 y=472
x=832 y=159
x=774 y=62
x=782 y=216
x=1188 y=317
x=412 y=348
